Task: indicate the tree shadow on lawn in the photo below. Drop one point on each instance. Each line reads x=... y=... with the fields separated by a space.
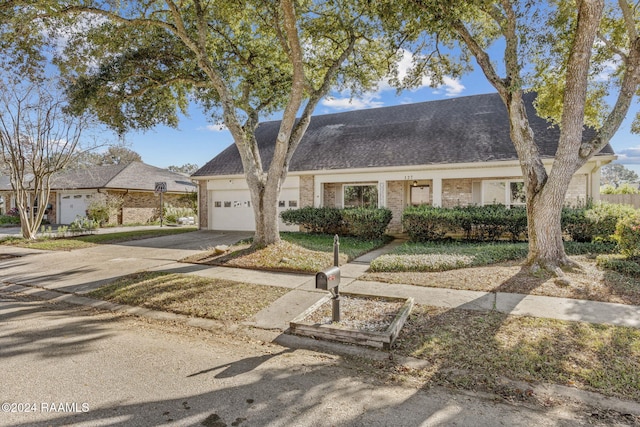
x=478 y=350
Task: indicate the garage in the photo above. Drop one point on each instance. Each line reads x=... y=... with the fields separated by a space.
x=72 y=205
x=231 y=209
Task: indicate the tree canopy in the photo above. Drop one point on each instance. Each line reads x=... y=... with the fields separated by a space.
x=138 y=64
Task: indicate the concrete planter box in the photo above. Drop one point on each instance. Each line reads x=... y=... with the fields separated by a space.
x=335 y=332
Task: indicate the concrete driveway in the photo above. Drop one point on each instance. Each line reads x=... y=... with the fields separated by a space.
x=86 y=269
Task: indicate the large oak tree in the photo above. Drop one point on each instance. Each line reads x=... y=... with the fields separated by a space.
x=137 y=64
x=559 y=48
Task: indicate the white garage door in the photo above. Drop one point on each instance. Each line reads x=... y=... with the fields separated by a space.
x=73 y=205
x=232 y=210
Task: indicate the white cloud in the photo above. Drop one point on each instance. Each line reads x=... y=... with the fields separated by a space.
x=450 y=87
x=215 y=128
x=629 y=155
x=346 y=103
x=609 y=68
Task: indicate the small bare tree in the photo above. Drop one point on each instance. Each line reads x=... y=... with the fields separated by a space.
x=37 y=139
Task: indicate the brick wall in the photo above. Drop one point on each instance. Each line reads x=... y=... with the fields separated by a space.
x=203 y=205
x=306 y=191
x=456 y=192
x=577 y=191
x=396 y=203
x=141 y=207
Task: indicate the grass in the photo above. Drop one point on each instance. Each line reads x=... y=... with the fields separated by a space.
x=217 y=299
x=81 y=242
x=472 y=350
x=353 y=247
x=439 y=256
x=297 y=252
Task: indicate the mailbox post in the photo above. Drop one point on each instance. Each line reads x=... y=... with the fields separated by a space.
x=329 y=279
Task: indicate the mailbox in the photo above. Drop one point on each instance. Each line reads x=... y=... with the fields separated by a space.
x=328 y=278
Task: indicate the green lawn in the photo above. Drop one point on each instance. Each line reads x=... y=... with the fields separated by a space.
x=441 y=256
x=87 y=241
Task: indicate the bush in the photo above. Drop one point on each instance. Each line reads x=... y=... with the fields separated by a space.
x=315 y=220
x=365 y=222
x=595 y=222
x=103 y=206
x=619 y=264
x=424 y=223
x=9 y=220
x=426 y=262
x=171 y=214
x=625 y=188
x=627 y=235
x=81 y=224
x=427 y=223
x=362 y=222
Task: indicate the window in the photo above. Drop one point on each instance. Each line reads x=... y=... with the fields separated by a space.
x=360 y=195
x=509 y=193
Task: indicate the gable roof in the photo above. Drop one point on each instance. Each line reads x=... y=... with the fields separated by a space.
x=457 y=130
x=132 y=176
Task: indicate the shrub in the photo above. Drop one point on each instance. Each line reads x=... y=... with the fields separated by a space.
x=362 y=222
x=424 y=223
x=9 y=219
x=619 y=264
x=366 y=222
x=604 y=217
x=171 y=213
x=595 y=222
x=627 y=235
x=81 y=224
x=315 y=220
x=427 y=223
x=103 y=206
x=625 y=188
x=576 y=225
x=425 y=262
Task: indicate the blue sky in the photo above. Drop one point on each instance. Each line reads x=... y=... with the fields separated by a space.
x=197 y=140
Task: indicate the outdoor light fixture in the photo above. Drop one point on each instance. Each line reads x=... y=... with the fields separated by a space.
x=415 y=183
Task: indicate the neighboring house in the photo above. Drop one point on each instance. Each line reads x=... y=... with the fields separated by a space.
x=443 y=153
x=72 y=191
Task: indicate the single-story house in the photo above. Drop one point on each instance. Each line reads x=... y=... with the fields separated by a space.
x=444 y=153
x=135 y=183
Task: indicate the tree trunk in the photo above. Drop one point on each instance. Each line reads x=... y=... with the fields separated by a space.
x=544 y=212
x=264 y=196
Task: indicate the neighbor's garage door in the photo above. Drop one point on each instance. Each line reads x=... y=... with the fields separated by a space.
x=232 y=210
x=73 y=205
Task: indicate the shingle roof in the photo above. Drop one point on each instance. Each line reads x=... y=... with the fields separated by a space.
x=457 y=130
x=132 y=176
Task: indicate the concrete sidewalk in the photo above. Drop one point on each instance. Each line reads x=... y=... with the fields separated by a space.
x=93 y=267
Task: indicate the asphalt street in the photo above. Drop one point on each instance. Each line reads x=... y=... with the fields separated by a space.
x=64 y=365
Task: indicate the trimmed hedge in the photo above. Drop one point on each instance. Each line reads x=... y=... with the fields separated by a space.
x=478 y=223
x=596 y=222
x=360 y=222
x=9 y=220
